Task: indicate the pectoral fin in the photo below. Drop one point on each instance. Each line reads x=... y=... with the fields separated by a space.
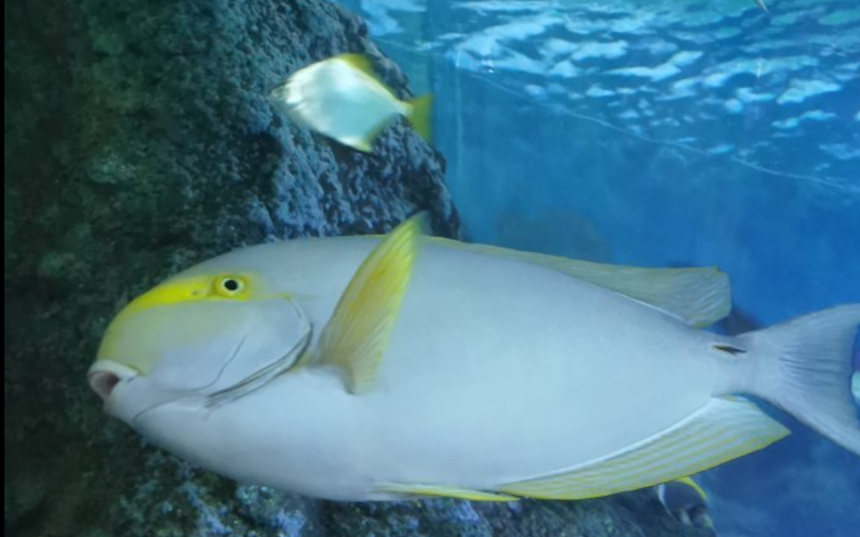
x=357 y=335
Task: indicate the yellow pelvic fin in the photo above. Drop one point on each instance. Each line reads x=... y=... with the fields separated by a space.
x=421 y=116
x=357 y=334
x=445 y=492
x=720 y=431
x=358 y=61
x=697 y=296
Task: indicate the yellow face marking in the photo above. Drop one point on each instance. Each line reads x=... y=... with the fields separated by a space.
x=227 y=287
x=191 y=289
x=196 y=288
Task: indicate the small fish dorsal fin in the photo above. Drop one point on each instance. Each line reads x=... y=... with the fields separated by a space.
x=722 y=430
x=357 y=335
x=697 y=296
x=358 y=61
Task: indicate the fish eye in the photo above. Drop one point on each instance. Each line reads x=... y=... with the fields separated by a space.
x=230 y=286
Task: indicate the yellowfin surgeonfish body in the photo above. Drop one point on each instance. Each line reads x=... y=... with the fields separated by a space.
x=367 y=368
x=343 y=99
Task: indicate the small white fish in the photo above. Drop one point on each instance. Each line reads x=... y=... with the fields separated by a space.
x=343 y=99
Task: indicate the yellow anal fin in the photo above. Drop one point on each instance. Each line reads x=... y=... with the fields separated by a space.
x=366 y=144
x=445 y=492
x=357 y=335
x=722 y=430
x=697 y=296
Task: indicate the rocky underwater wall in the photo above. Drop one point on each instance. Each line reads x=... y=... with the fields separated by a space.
x=138 y=141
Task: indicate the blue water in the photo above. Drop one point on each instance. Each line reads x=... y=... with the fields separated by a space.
x=665 y=133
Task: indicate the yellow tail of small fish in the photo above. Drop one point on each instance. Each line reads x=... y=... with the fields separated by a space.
x=420 y=116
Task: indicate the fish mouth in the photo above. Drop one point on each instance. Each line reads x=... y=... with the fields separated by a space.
x=104 y=376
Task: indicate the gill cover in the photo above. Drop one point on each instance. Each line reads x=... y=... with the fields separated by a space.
x=194 y=335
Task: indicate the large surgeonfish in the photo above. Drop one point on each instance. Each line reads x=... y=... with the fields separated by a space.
x=383 y=368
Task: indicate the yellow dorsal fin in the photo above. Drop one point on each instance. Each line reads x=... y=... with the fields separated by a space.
x=445 y=492
x=722 y=430
x=357 y=334
x=358 y=61
x=697 y=296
